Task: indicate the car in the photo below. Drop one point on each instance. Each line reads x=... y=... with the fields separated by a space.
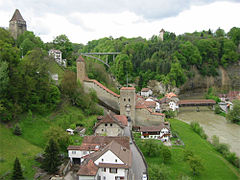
x=144 y=176
x=130 y=142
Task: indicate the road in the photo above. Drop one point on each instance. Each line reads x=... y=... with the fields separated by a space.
x=138 y=166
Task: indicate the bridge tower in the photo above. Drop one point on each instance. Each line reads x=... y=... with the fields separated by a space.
x=81 y=71
x=128 y=103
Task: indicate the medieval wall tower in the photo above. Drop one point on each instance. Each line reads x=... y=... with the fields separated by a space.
x=17 y=25
x=161 y=34
x=128 y=102
x=81 y=72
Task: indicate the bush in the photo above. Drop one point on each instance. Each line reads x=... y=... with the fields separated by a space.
x=198 y=129
x=217 y=109
x=17 y=130
x=166 y=154
x=187 y=154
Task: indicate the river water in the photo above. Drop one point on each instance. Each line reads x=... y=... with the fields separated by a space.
x=213 y=124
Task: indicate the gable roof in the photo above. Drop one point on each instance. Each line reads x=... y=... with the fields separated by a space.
x=80 y=59
x=109 y=119
x=145 y=89
x=127 y=88
x=17 y=16
x=153 y=128
x=170 y=95
x=94 y=143
x=88 y=169
x=121 y=152
x=122 y=119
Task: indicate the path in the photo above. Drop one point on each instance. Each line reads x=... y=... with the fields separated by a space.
x=213 y=124
x=138 y=166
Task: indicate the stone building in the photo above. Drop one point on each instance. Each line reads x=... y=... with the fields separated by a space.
x=17 y=25
x=127 y=102
x=57 y=55
x=81 y=71
x=161 y=34
x=110 y=125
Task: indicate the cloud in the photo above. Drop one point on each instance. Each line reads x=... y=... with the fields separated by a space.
x=148 y=9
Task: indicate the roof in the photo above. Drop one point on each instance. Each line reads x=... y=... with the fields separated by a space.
x=122 y=119
x=17 y=16
x=170 y=95
x=88 y=169
x=145 y=89
x=162 y=30
x=124 y=154
x=150 y=104
x=93 y=143
x=127 y=88
x=80 y=59
x=109 y=119
x=152 y=128
x=197 y=101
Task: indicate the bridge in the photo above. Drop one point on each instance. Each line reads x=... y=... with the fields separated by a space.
x=91 y=55
x=196 y=102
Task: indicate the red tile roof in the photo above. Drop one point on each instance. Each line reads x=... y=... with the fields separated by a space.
x=88 y=169
x=90 y=142
x=102 y=86
x=145 y=89
x=109 y=119
x=152 y=128
x=170 y=95
x=127 y=88
x=122 y=119
x=196 y=101
x=80 y=59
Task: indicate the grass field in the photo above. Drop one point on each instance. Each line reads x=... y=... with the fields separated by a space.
x=33 y=138
x=13 y=146
x=216 y=167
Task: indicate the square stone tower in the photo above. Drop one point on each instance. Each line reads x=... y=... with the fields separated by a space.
x=17 y=25
x=81 y=74
x=128 y=102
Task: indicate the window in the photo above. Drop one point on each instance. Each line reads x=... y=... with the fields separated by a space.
x=124 y=99
x=102 y=160
x=102 y=129
x=110 y=124
x=129 y=99
x=113 y=170
x=103 y=169
x=105 y=124
x=73 y=152
x=115 y=160
x=104 y=177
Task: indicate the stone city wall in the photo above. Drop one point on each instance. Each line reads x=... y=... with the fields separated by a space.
x=146 y=118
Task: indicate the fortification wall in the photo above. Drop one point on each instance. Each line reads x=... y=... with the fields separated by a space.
x=105 y=95
x=146 y=118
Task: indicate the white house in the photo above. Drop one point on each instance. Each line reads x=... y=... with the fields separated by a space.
x=111 y=163
x=91 y=144
x=57 y=55
x=146 y=92
x=161 y=132
x=169 y=102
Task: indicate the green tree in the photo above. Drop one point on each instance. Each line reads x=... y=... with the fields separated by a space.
x=151 y=148
x=234 y=35
x=220 y=32
x=166 y=154
x=63 y=44
x=230 y=54
x=4 y=78
x=195 y=165
x=234 y=114
x=157 y=172
x=51 y=156
x=60 y=136
x=17 y=130
x=17 y=171
x=176 y=75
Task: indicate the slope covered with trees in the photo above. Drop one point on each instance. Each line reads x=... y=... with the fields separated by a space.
x=172 y=60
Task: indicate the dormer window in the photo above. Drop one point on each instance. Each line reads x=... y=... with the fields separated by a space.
x=102 y=160
x=115 y=160
x=106 y=124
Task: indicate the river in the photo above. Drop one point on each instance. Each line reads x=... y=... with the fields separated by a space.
x=213 y=124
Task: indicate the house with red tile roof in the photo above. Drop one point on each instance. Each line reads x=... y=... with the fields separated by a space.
x=111 y=125
x=111 y=162
x=161 y=132
x=146 y=92
x=91 y=144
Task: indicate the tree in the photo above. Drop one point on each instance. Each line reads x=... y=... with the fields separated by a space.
x=17 y=131
x=60 y=136
x=220 y=32
x=234 y=114
x=176 y=75
x=151 y=148
x=17 y=171
x=157 y=172
x=63 y=44
x=166 y=153
x=51 y=156
x=195 y=165
x=234 y=35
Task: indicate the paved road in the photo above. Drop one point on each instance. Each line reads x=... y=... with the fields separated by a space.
x=138 y=166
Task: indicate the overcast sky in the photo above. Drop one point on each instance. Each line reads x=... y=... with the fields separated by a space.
x=85 y=20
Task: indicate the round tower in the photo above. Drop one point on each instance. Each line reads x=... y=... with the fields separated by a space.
x=81 y=74
x=128 y=102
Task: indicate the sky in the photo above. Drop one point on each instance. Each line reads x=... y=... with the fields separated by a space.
x=86 y=20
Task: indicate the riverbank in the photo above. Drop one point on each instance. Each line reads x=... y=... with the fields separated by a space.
x=213 y=125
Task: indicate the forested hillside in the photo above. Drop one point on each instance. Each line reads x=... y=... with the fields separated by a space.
x=171 y=61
